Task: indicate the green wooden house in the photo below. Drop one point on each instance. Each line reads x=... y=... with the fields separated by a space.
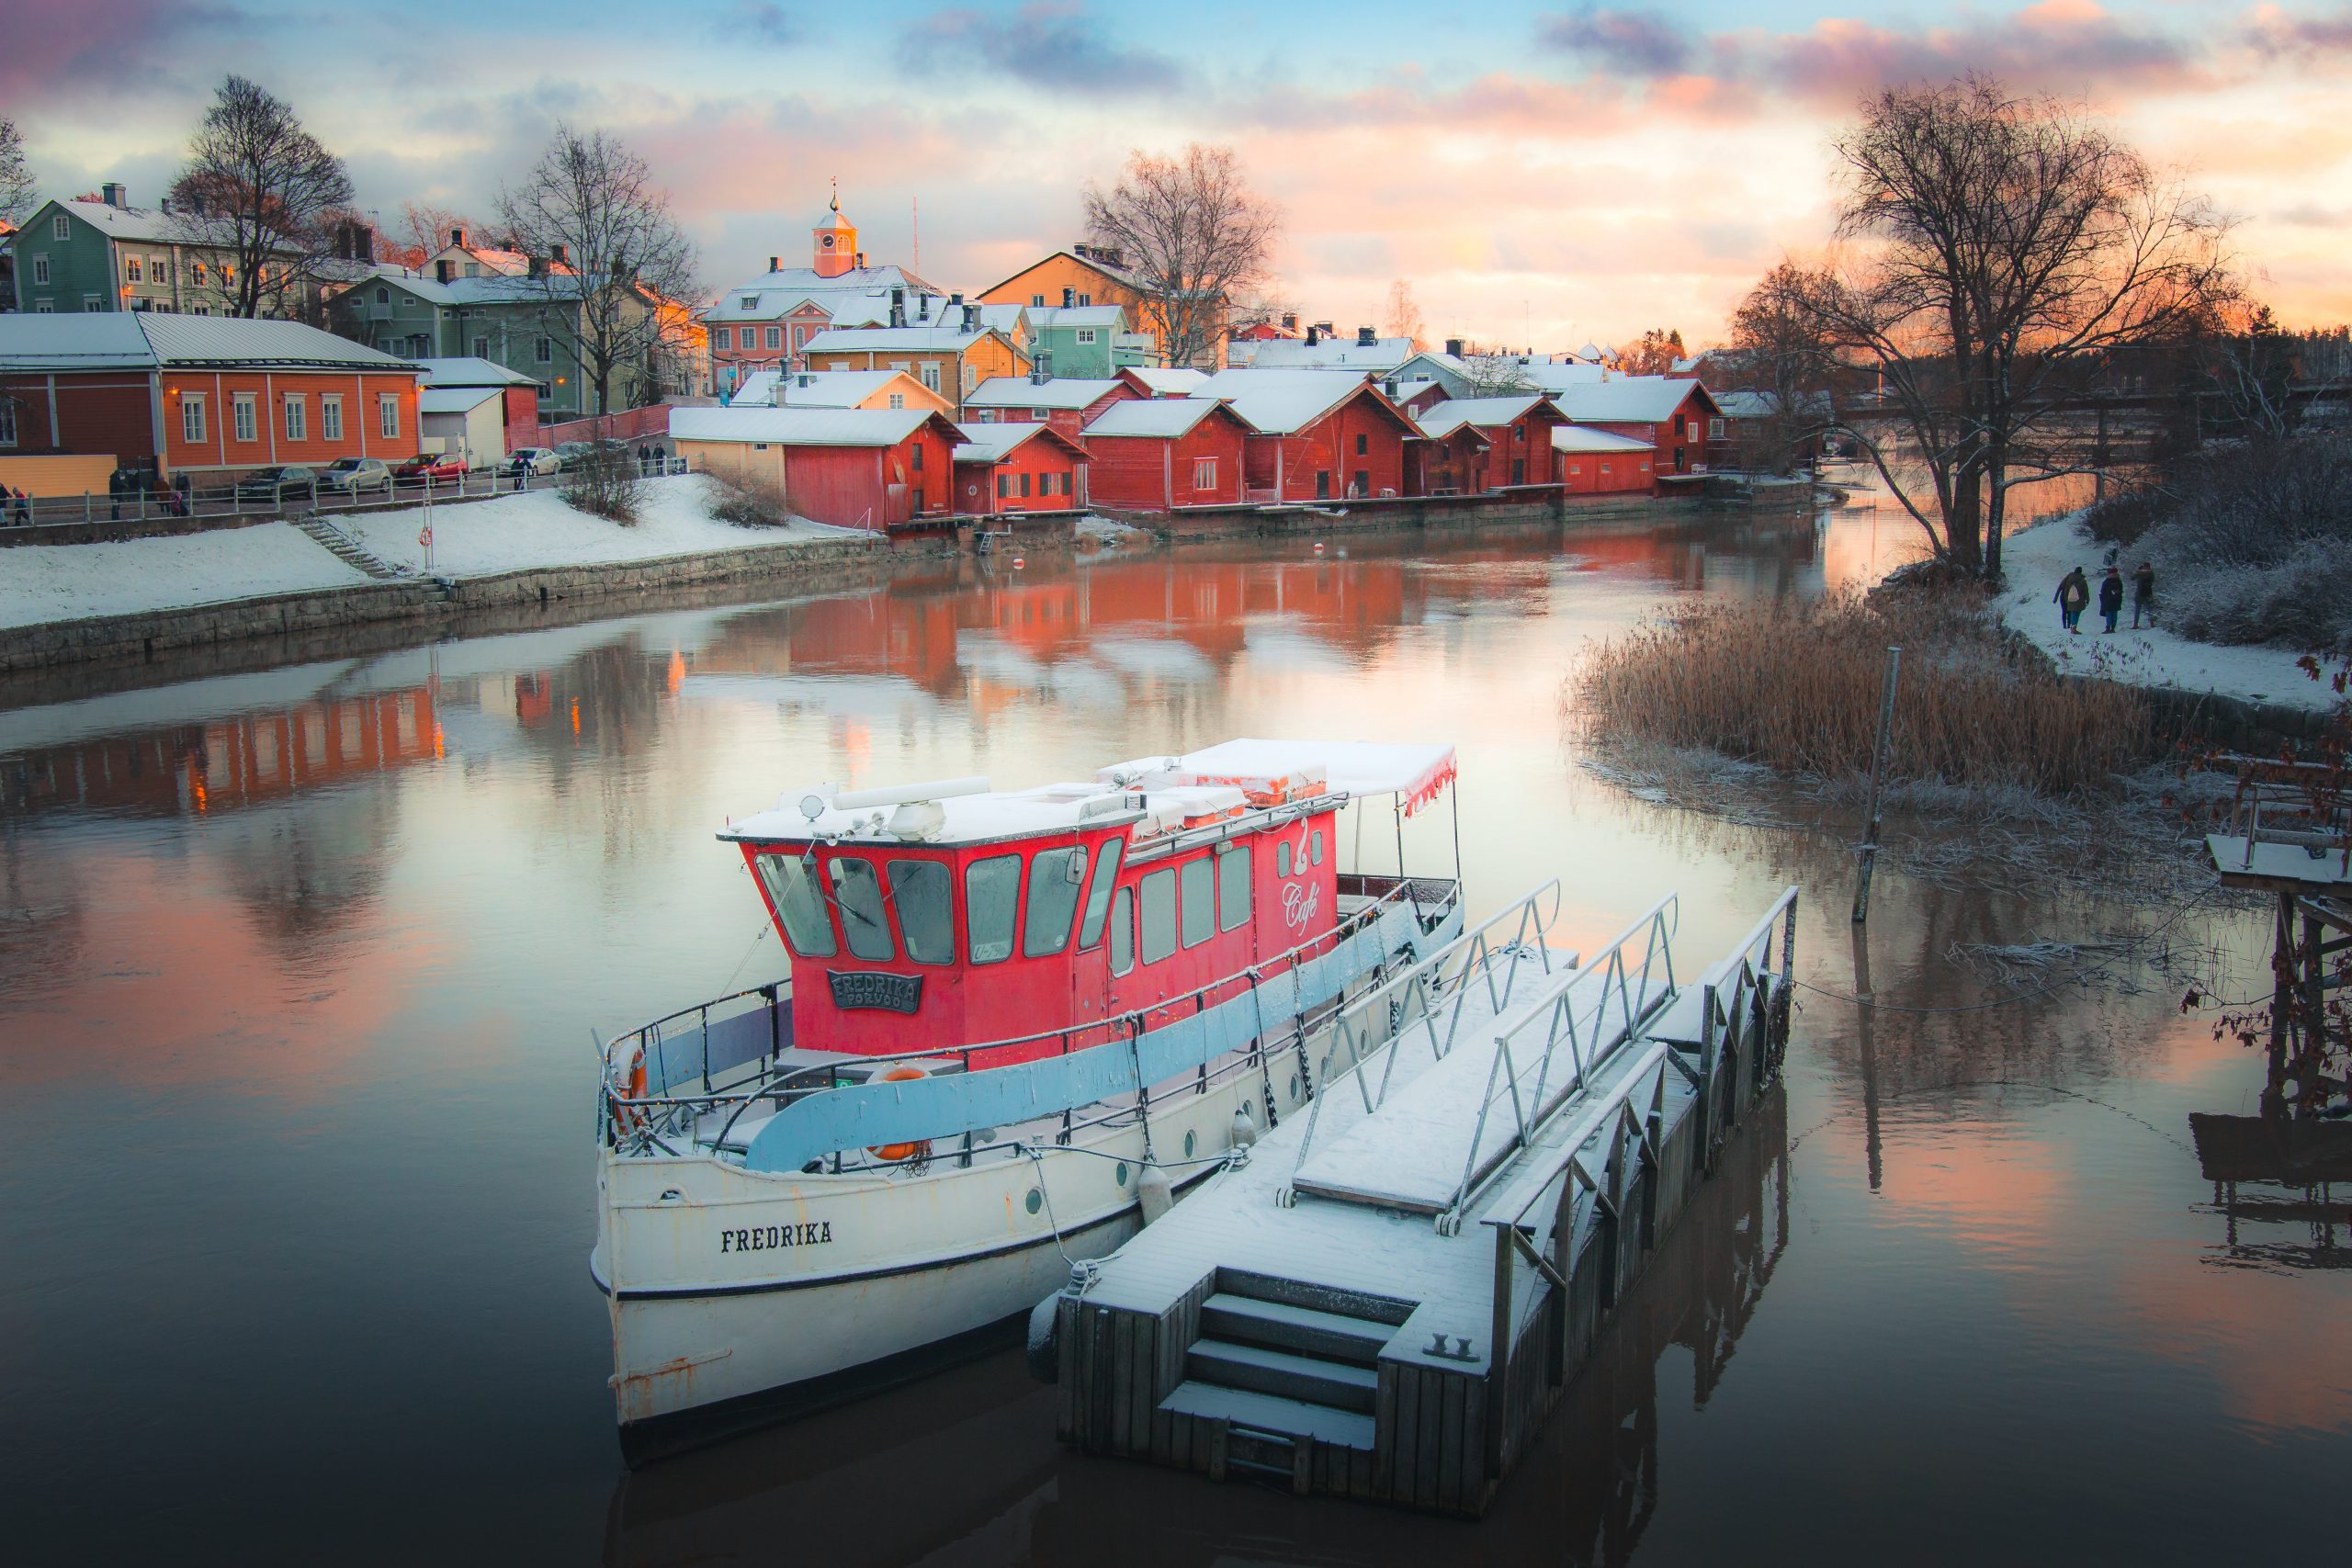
x=1090 y=342
x=109 y=255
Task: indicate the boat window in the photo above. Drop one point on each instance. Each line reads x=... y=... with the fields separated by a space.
x=1098 y=891
x=1314 y=846
x=859 y=893
x=989 y=889
x=925 y=919
x=1123 y=932
x=1232 y=886
x=1159 y=916
x=1055 y=877
x=1199 y=899
x=1282 y=858
x=796 y=899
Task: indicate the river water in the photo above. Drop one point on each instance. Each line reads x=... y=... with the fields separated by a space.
x=298 y=964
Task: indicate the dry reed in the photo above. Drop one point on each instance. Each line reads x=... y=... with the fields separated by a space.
x=1795 y=688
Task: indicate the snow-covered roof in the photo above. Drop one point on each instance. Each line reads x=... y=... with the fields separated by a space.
x=1443 y=419
x=1044 y=316
x=1168 y=381
x=469 y=371
x=1592 y=353
x=133 y=222
x=454 y=400
x=799 y=426
x=994 y=443
x=1416 y=772
x=1279 y=403
x=1632 y=399
x=1764 y=405
x=817 y=388
x=1055 y=392
x=774 y=294
x=1153 y=416
x=1325 y=353
x=1544 y=375
x=1583 y=438
x=494 y=288
x=146 y=339
x=881 y=340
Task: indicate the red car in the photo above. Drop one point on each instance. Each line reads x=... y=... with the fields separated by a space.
x=430 y=465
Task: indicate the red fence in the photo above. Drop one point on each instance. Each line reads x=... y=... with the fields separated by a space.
x=626 y=425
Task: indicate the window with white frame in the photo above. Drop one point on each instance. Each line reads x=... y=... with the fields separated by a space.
x=331 y=416
x=60 y=227
x=1084 y=300
x=799 y=339
x=1205 y=473
x=40 y=268
x=297 y=417
x=158 y=270
x=930 y=374
x=90 y=302
x=1714 y=429
x=130 y=273
x=241 y=415
x=7 y=422
x=1085 y=335
x=44 y=307
x=749 y=302
x=482 y=347
x=775 y=337
x=545 y=351
x=898 y=400
x=1035 y=301
x=387 y=415
x=192 y=417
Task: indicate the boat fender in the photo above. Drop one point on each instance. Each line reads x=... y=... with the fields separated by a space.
x=903 y=1073
x=1152 y=1189
x=1245 y=1130
x=1045 y=1331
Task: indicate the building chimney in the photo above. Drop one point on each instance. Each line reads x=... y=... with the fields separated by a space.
x=1039 y=372
x=859 y=261
x=1453 y=347
x=971 y=318
x=1367 y=338
x=776 y=264
x=922 y=308
x=804 y=379
x=897 y=307
x=536 y=266
x=1326 y=329
x=957 y=298
x=1313 y=337
x=441 y=270
x=457 y=238
x=1290 y=321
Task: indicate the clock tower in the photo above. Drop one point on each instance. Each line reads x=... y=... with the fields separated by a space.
x=835 y=241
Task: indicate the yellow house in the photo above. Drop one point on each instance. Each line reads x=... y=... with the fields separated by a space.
x=1088 y=275
x=838 y=390
x=950 y=361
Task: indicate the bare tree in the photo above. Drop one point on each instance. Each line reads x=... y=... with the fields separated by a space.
x=1654 y=353
x=2252 y=364
x=2000 y=250
x=259 y=191
x=425 y=228
x=1405 y=316
x=610 y=271
x=1779 y=353
x=1193 y=234
x=18 y=190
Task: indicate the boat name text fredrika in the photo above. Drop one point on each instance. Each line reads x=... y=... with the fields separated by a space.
x=874 y=989
x=761 y=1238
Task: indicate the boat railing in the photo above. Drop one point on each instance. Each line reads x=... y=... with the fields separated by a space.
x=1426 y=1000
x=654 y=1117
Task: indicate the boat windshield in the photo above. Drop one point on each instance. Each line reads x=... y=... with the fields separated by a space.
x=793 y=889
x=1055 y=877
x=859 y=893
x=990 y=887
x=920 y=889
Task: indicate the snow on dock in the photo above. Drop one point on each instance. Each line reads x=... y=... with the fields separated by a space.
x=1386 y=1298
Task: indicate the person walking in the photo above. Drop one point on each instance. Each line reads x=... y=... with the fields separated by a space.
x=115 y=482
x=2110 y=596
x=2074 y=593
x=2143 y=594
x=24 y=505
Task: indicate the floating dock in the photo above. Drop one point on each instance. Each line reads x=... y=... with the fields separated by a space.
x=1387 y=1297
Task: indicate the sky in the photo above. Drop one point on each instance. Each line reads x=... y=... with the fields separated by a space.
x=1541 y=175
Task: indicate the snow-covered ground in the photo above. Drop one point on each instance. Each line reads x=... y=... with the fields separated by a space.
x=2035 y=560
x=517 y=533
x=70 y=582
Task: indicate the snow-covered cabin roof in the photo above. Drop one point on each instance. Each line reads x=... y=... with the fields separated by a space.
x=454 y=400
x=1584 y=438
x=1443 y=419
x=800 y=426
x=1166 y=381
x=1154 y=416
x=817 y=388
x=881 y=340
x=148 y=338
x=1632 y=399
x=466 y=370
x=1416 y=772
x=1055 y=392
x=994 y=443
x=1279 y=403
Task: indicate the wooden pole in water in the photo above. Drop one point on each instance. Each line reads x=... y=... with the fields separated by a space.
x=1878 y=770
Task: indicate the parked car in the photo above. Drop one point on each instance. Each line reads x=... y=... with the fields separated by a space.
x=534 y=460
x=353 y=475
x=436 y=465
x=571 y=454
x=278 y=485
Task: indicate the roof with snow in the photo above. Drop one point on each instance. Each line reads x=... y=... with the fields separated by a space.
x=1166 y=381
x=1055 y=392
x=1045 y=316
x=1279 y=403
x=150 y=339
x=1154 y=416
x=994 y=443
x=1325 y=354
x=1583 y=438
x=817 y=388
x=491 y=288
x=454 y=400
x=1544 y=375
x=1764 y=405
x=774 y=294
x=801 y=427
x=1634 y=398
x=467 y=371
x=881 y=340
x=1443 y=419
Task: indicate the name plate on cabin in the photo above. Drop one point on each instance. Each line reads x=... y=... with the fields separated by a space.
x=875 y=990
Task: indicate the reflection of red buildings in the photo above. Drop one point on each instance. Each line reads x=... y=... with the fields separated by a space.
x=232 y=763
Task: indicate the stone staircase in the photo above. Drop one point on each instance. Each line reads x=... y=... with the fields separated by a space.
x=1281 y=1361
x=348 y=550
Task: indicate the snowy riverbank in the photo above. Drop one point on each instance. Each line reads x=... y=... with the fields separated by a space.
x=2033 y=561
x=46 y=583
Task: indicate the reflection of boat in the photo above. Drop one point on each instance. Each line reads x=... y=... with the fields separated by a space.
x=1014 y=1022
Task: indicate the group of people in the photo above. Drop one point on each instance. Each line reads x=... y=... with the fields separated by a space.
x=2074 y=593
x=15 y=507
x=139 y=483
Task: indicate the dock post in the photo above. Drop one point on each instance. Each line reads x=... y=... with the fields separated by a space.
x=1878 y=767
x=1499 y=1353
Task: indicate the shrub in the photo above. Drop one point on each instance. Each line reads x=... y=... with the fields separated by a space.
x=1796 y=688
x=2122 y=517
x=2255 y=544
x=749 y=503
x=604 y=484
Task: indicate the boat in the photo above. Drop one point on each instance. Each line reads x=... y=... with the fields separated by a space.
x=1016 y=1024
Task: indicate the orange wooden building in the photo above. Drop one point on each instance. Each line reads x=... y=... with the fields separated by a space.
x=1094 y=275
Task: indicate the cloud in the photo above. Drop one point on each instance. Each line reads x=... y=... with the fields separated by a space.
x=1044 y=44
x=760 y=23
x=1627 y=43
x=2275 y=33
x=78 y=52
x=2305 y=215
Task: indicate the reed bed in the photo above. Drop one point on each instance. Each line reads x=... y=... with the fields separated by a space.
x=1795 y=688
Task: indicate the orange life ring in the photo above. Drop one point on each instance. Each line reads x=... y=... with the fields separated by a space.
x=905 y=1072
x=628 y=1118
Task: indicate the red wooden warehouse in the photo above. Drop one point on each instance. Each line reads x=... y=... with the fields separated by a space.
x=1066 y=402
x=852 y=468
x=1318 y=434
x=1518 y=428
x=1018 y=467
x=1670 y=412
x=1160 y=453
x=1601 y=462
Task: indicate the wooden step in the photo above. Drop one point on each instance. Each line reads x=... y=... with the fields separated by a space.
x=1251 y=1412
x=1308 y=1379
x=1390 y=1309
x=1245 y=1320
